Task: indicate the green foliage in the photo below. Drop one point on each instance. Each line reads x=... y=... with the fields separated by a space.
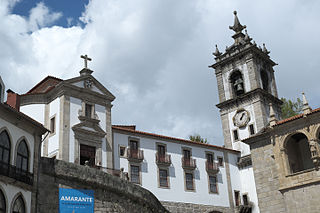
x=197 y=138
x=291 y=108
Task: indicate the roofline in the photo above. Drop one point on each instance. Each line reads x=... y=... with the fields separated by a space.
x=26 y=117
x=43 y=80
x=295 y=117
x=116 y=127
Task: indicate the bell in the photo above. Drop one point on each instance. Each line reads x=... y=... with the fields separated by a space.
x=239 y=88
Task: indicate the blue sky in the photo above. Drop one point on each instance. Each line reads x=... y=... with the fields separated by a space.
x=69 y=8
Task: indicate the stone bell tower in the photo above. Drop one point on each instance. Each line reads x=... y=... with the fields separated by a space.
x=246 y=87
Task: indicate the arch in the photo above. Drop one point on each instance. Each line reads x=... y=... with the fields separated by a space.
x=264 y=80
x=22 y=155
x=18 y=204
x=3 y=201
x=237 y=83
x=298 y=152
x=5 y=147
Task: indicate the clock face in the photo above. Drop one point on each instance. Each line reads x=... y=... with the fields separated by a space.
x=241 y=118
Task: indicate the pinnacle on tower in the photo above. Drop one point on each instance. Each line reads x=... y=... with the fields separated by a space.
x=272 y=116
x=306 y=108
x=217 y=52
x=265 y=49
x=237 y=27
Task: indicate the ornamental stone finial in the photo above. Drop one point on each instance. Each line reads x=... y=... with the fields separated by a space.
x=217 y=52
x=237 y=27
x=265 y=49
x=306 y=108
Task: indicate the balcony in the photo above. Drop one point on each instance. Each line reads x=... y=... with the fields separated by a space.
x=188 y=163
x=15 y=173
x=163 y=159
x=135 y=155
x=212 y=167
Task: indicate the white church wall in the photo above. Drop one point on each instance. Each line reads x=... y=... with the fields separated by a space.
x=53 y=145
x=176 y=192
x=11 y=192
x=248 y=186
x=75 y=106
x=16 y=135
x=35 y=111
x=234 y=173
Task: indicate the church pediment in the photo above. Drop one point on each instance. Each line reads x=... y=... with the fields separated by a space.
x=88 y=82
x=90 y=129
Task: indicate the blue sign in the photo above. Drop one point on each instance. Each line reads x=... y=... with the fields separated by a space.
x=76 y=201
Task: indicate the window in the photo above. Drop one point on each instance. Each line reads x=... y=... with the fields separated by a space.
x=235 y=135
x=88 y=110
x=220 y=161
x=186 y=154
x=87 y=155
x=189 y=181
x=122 y=151
x=209 y=157
x=134 y=145
x=18 y=205
x=53 y=125
x=163 y=178
x=213 y=187
x=245 y=199
x=161 y=150
x=4 y=147
x=135 y=174
x=2 y=203
x=22 y=156
x=251 y=129
x=265 y=80
x=237 y=198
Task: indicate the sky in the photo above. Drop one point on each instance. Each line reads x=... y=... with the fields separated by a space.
x=154 y=55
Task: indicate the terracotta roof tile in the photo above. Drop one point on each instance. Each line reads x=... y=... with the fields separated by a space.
x=296 y=117
x=118 y=127
x=45 y=85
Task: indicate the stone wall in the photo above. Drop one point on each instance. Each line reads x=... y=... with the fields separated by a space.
x=177 y=207
x=111 y=194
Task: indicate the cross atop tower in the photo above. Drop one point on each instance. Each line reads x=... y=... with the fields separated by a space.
x=86 y=59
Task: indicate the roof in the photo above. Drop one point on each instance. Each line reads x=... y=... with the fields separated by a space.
x=45 y=85
x=296 y=117
x=26 y=117
x=128 y=129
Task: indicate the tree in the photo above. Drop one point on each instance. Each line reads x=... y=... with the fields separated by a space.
x=197 y=138
x=291 y=108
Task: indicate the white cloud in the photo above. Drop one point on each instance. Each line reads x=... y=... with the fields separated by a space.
x=41 y=16
x=154 y=55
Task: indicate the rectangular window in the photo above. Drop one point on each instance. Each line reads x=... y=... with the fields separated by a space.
x=53 y=125
x=87 y=155
x=235 y=135
x=133 y=145
x=189 y=181
x=209 y=158
x=251 y=129
x=163 y=178
x=88 y=110
x=245 y=200
x=213 y=187
x=186 y=154
x=161 y=150
x=220 y=161
x=237 y=198
x=135 y=174
x=122 y=151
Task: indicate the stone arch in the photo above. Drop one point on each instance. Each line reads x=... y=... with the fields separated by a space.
x=4 y=197
x=236 y=82
x=21 y=140
x=297 y=151
x=4 y=132
x=18 y=198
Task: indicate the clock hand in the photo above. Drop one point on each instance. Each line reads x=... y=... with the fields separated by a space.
x=241 y=116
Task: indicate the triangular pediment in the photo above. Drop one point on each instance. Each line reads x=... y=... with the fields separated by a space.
x=89 y=83
x=90 y=129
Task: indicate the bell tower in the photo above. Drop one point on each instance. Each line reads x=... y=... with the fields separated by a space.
x=246 y=87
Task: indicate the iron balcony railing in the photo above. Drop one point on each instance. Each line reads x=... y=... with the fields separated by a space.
x=16 y=173
x=163 y=159
x=212 y=167
x=135 y=154
x=188 y=163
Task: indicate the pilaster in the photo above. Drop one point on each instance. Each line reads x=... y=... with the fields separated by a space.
x=64 y=128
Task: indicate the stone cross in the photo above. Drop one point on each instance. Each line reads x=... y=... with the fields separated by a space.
x=86 y=59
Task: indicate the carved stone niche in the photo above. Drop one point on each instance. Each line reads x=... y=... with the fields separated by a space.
x=315 y=152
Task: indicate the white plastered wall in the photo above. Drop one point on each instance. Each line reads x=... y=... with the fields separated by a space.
x=176 y=192
x=54 y=110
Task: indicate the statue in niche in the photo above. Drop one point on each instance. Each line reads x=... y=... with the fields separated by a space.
x=315 y=151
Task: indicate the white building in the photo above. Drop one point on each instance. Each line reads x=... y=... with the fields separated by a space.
x=20 y=140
